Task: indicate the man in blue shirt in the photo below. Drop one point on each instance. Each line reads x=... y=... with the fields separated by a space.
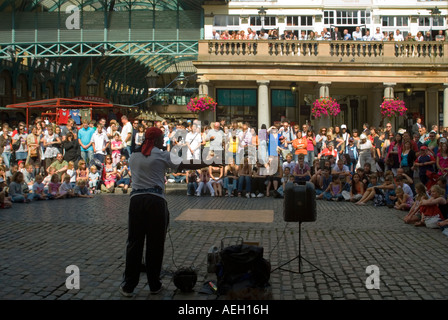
x=85 y=141
x=347 y=36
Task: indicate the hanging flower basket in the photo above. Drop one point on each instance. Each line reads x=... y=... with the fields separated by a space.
x=325 y=107
x=197 y=104
x=393 y=107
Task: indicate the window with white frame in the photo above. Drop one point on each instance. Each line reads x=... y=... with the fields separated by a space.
x=268 y=21
x=299 y=21
x=392 y=21
x=437 y=23
x=347 y=17
x=2 y=86
x=226 y=20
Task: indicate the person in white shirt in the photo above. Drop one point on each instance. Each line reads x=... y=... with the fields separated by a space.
x=100 y=141
x=263 y=35
x=357 y=35
x=378 y=36
x=126 y=135
x=367 y=36
x=193 y=141
x=398 y=36
x=303 y=36
x=215 y=35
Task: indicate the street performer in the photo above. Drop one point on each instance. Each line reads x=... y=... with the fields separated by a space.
x=148 y=211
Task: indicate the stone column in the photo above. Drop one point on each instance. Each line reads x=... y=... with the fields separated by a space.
x=324 y=92
x=264 y=112
x=445 y=105
x=375 y=112
x=389 y=94
x=389 y=90
x=432 y=108
x=204 y=90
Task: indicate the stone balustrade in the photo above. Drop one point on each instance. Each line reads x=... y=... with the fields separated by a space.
x=328 y=51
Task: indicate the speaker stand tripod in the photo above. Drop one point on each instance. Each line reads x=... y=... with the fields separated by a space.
x=300 y=257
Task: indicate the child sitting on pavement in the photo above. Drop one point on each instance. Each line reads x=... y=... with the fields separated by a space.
x=81 y=190
x=66 y=189
x=38 y=189
x=411 y=217
x=430 y=208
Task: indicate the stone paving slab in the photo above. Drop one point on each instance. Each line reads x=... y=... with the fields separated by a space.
x=39 y=240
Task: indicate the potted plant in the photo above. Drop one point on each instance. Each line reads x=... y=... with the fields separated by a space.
x=201 y=104
x=393 y=107
x=325 y=106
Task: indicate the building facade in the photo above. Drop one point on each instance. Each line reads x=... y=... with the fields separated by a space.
x=263 y=81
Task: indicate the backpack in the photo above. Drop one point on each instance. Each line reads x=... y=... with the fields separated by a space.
x=241 y=267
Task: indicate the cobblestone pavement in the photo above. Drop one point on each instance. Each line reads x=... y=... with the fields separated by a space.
x=39 y=240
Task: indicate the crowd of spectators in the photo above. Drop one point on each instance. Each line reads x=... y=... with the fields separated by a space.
x=401 y=169
x=325 y=34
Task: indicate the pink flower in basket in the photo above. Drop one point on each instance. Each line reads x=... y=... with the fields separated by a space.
x=201 y=104
x=325 y=106
x=393 y=107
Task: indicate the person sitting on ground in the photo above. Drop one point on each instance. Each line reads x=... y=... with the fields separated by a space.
x=244 y=178
x=124 y=174
x=421 y=194
x=334 y=190
x=5 y=200
x=71 y=172
x=216 y=175
x=230 y=177
x=356 y=189
x=82 y=172
x=81 y=190
x=66 y=189
x=342 y=170
x=274 y=177
x=430 y=208
x=204 y=180
x=286 y=178
x=258 y=180
x=371 y=190
x=94 y=178
x=192 y=183
x=403 y=200
x=289 y=162
x=38 y=189
x=53 y=187
x=302 y=171
x=323 y=182
x=16 y=190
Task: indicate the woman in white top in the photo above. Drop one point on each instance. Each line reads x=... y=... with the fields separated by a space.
x=366 y=153
x=50 y=142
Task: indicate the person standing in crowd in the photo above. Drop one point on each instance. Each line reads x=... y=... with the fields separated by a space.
x=6 y=146
x=216 y=138
x=85 y=141
x=100 y=143
x=19 y=144
x=148 y=211
x=72 y=150
x=126 y=136
x=366 y=154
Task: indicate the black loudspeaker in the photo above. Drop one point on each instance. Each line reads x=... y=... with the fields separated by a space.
x=299 y=203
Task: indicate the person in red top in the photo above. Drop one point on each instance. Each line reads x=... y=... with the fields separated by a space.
x=329 y=151
x=299 y=144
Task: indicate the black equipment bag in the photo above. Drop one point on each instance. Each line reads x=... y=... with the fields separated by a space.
x=242 y=266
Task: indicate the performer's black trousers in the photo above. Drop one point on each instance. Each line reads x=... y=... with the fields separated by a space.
x=148 y=219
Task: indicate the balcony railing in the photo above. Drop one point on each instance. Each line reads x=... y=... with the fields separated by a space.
x=303 y=50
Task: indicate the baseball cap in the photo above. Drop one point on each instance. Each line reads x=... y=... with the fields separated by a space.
x=351 y=139
x=2 y=180
x=424 y=148
x=443 y=140
x=363 y=136
x=343 y=126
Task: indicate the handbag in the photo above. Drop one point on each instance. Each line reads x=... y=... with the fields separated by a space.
x=431 y=222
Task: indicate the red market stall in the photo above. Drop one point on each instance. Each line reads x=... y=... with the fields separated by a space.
x=59 y=110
